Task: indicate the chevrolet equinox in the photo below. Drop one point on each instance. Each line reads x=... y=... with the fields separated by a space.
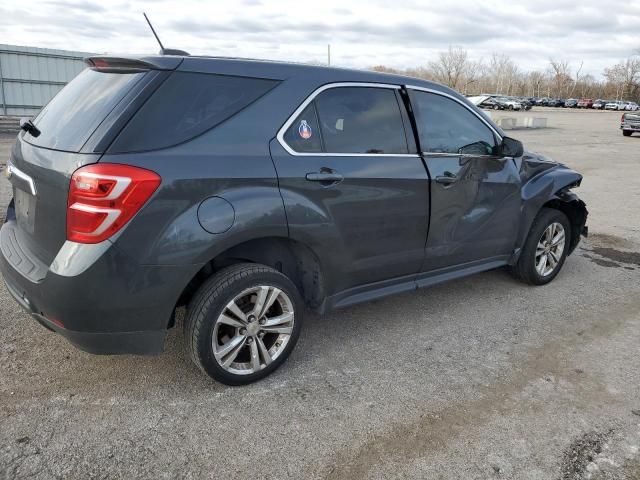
x=250 y=191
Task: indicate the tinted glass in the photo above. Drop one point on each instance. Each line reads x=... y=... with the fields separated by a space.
x=445 y=126
x=361 y=120
x=186 y=105
x=304 y=135
x=71 y=117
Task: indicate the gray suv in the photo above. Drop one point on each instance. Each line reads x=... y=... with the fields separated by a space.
x=251 y=191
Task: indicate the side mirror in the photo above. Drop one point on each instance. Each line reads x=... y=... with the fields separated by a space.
x=510 y=147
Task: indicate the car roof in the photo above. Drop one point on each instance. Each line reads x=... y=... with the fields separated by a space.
x=311 y=75
x=283 y=70
x=270 y=69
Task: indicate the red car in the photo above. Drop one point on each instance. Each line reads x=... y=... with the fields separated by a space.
x=585 y=103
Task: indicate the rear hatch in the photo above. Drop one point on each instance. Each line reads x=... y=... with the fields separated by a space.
x=75 y=129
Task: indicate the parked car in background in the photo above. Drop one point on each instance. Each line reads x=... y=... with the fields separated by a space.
x=542 y=102
x=571 y=103
x=510 y=103
x=599 y=104
x=631 y=106
x=617 y=105
x=252 y=191
x=555 y=102
x=496 y=102
x=585 y=103
x=629 y=123
x=487 y=102
x=525 y=102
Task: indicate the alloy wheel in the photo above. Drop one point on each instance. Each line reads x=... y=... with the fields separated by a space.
x=253 y=330
x=550 y=249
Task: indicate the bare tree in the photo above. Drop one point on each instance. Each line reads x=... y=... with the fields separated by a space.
x=500 y=74
x=625 y=76
x=585 y=85
x=561 y=76
x=577 y=78
x=453 y=67
x=384 y=69
x=535 y=82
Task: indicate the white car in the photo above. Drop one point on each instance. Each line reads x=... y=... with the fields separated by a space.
x=632 y=106
x=619 y=105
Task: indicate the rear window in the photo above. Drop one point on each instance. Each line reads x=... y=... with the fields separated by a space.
x=73 y=114
x=185 y=106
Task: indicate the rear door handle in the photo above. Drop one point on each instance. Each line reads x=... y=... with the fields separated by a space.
x=325 y=177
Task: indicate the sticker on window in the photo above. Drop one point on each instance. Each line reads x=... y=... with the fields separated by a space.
x=305 y=130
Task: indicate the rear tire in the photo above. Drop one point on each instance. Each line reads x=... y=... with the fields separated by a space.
x=627 y=133
x=243 y=323
x=550 y=230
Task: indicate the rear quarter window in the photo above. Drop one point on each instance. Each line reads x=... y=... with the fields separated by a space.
x=185 y=106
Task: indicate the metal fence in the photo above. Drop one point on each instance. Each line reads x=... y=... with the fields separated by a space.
x=30 y=77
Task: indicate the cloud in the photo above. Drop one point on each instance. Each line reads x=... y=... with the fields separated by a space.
x=362 y=33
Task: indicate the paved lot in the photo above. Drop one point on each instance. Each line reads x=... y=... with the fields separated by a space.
x=476 y=379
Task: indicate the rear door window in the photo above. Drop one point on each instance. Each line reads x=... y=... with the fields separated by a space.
x=73 y=114
x=361 y=120
x=185 y=106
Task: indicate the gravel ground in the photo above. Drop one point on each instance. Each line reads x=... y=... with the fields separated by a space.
x=479 y=378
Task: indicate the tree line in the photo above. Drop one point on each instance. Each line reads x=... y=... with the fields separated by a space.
x=500 y=74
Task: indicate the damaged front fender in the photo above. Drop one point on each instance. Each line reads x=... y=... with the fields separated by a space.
x=547 y=184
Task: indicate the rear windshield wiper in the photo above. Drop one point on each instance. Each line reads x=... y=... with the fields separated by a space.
x=29 y=127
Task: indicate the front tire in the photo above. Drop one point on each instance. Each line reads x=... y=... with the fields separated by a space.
x=545 y=249
x=243 y=323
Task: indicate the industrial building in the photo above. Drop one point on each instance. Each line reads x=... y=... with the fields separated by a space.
x=30 y=77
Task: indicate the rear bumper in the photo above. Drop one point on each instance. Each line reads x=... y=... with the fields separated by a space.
x=100 y=343
x=115 y=306
x=630 y=126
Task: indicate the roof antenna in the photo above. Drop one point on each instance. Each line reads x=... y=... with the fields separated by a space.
x=163 y=51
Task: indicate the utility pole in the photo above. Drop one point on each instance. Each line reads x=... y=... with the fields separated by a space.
x=329 y=54
x=3 y=98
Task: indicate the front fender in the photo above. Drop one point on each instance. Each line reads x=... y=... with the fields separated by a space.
x=549 y=186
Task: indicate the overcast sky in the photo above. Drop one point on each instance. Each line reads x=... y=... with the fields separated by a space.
x=361 y=33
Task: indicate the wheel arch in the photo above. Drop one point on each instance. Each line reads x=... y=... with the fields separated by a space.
x=552 y=189
x=575 y=210
x=292 y=258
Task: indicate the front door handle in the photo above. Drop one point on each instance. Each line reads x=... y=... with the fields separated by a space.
x=447 y=179
x=326 y=178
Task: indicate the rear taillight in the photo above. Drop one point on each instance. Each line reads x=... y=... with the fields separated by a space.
x=622 y=118
x=103 y=198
